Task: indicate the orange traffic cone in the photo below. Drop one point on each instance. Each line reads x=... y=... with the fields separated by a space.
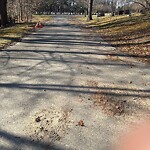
x=38 y=25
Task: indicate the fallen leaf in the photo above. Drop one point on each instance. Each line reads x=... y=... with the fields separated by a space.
x=37 y=119
x=80 y=123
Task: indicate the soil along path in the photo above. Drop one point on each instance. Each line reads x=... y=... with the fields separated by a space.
x=62 y=88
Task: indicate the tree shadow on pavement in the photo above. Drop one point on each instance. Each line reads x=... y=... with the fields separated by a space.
x=17 y=142
x=78 y=89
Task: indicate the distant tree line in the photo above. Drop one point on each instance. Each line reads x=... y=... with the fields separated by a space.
x=22 y=10
x=11 y=10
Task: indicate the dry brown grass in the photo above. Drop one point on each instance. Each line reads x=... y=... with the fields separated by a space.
x=14 y=33
x=130 y=35
x=41 y=18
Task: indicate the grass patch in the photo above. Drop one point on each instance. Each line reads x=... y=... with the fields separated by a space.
x=130 y=35
x=14 y=33
x=41 y=18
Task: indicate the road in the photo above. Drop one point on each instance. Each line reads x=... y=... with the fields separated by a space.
x=59 y=67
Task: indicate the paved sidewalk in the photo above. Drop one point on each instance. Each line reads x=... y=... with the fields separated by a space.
x=59 y=67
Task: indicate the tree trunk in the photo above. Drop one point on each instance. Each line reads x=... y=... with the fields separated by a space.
x=90 y=9
x=3 y=12
x=0 y=13
x=147 y=5
x=112 y=8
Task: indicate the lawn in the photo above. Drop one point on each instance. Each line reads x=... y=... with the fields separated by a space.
x=130 y=35
x=14 y=33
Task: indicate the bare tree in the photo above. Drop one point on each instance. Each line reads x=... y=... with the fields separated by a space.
x=21 y=10
x=90 y=9
x=144 y=3
x=101 y=6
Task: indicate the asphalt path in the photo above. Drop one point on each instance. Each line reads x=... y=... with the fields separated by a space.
x=61 y=65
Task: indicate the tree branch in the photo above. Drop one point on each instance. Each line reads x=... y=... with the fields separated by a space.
x=140 y=4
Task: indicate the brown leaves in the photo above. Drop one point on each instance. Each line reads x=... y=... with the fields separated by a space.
x=80 y=123
x=130 y=35
x=38 y=119
x=109 y=105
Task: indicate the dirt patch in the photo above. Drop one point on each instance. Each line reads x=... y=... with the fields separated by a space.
x=109 y=105
x=131 y=109
x=92 y=83
x=49 y=125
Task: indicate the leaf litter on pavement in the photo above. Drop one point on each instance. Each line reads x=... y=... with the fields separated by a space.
x=49 y=125
x=108 y=104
